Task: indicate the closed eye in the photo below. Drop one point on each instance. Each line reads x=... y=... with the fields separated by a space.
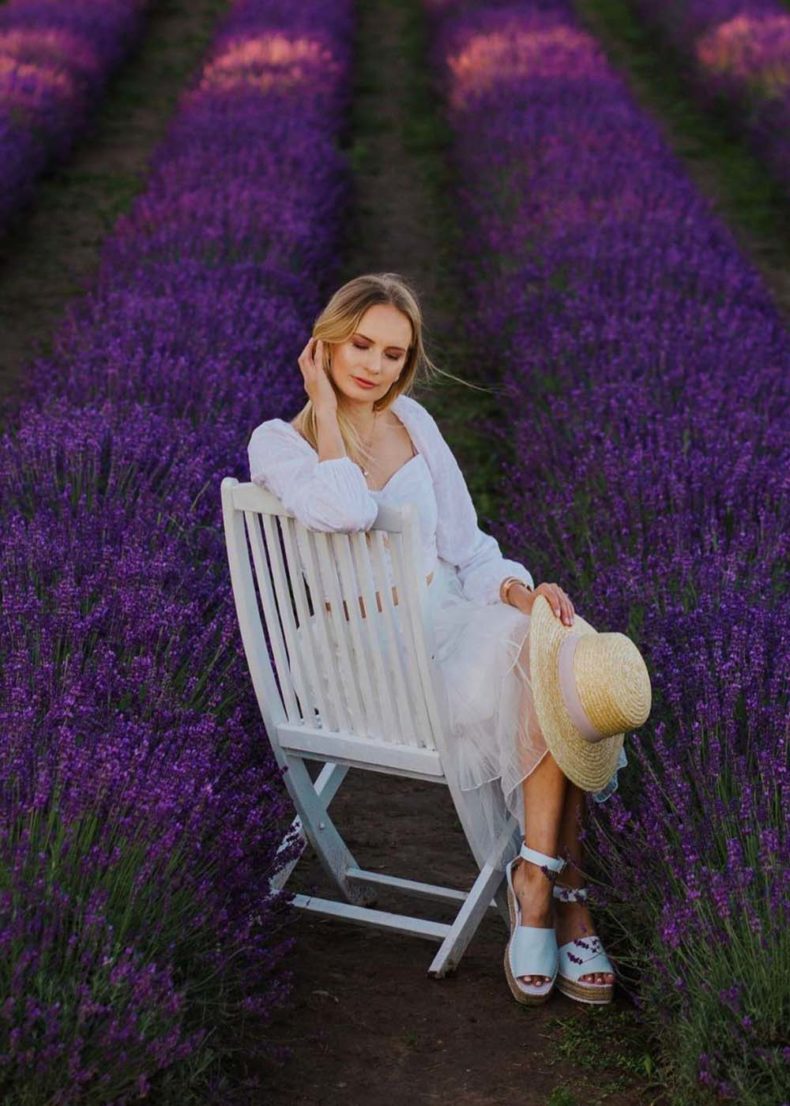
x=392 y=356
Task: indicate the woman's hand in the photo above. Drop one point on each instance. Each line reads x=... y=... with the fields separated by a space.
x=560 y=603
x=316 y=379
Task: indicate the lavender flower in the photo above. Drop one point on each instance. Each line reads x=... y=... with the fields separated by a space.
x=141 y=810
x=646 y=379
x=55 y=59
x=739 y=53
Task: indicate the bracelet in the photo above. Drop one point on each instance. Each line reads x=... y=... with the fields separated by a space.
x=506 y=584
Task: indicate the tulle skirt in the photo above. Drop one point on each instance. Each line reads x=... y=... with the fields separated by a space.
x=493 y=737
x=494 y=740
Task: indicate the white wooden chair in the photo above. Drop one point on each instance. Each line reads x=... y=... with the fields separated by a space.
x=348 y=693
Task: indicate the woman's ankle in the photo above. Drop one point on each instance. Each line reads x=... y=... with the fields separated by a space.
x=572 y=874
x=530 y=877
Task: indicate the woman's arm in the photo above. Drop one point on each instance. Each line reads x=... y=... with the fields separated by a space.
x=331 y=446
x=326 y=493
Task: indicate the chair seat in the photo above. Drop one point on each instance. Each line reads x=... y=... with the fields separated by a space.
x=345 y=748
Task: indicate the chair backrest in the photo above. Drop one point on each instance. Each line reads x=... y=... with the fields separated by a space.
x=336 y=634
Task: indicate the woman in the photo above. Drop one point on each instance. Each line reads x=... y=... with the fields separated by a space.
x=361 y=440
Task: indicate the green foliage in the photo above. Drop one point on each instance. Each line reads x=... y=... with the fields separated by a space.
x=561 y=1096
x=608 y=1050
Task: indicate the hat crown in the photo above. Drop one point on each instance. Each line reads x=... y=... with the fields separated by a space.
x=612 y=682
x=588 y=688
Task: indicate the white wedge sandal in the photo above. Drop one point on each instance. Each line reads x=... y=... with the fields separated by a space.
x=531 y=950
x=582 y=956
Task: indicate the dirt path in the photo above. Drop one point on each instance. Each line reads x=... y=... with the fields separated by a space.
x=51 y=253
x=367 y=1022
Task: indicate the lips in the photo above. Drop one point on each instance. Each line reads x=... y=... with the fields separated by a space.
x=364 y=383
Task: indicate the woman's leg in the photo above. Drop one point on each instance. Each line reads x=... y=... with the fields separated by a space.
x=574 y=919
x=544 y=796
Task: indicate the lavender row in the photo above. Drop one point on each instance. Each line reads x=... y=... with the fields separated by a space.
x=55 y=59
x=739 y=53
x=646 y=376
x=148 y=949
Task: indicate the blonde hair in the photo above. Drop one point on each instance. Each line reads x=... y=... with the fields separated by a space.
x=338 y=321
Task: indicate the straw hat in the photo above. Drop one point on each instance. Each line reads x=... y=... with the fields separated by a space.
x=589 y=689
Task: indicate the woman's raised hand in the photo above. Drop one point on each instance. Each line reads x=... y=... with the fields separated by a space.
x=559 y=602
x=316 y=379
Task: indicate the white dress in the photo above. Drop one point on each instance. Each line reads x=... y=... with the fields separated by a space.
x=480 y=643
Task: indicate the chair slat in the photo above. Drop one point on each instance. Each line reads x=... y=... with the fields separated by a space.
x=373 y=720
x=390 y=622
x=251 y=520
x=409 y=614
x=308 y=651
x=280 y=577
x=339 y=610
x=338 y=718
x=382 y=689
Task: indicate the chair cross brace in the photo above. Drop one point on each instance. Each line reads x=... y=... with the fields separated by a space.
x=358 y=885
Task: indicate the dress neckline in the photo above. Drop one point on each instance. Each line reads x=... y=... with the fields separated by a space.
x=377 y=491
x=401 y=420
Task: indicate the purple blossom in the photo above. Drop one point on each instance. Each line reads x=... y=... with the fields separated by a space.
x=645 y=375
x=739 y=52
x=55 y=59
x=141 y=809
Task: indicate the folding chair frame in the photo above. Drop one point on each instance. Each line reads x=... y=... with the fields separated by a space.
x=293 y=745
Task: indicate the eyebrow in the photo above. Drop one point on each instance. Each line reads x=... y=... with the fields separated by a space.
x=359 y=334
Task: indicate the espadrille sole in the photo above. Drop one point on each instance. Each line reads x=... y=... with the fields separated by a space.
x=596 y=993
x=518 y=994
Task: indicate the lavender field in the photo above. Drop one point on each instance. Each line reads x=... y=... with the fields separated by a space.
x=738 y=55
x=148 y=944
x=647 y=376
x=55 y=59
x=640 y=452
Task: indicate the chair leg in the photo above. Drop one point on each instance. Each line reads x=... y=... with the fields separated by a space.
x=326 y=785
x=333 y=853
x=314 y=824
x=489 y=884
x=466 y=921
x=501 y=901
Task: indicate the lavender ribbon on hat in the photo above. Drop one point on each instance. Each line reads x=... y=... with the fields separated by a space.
x=570 y=693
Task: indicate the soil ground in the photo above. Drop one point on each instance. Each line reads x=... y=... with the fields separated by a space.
x=367 y=1021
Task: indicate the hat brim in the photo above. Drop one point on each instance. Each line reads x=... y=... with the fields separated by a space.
x=588 y=764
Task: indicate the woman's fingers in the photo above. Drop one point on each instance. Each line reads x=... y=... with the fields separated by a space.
x=317 y=381
x=316 y=362
x=560 y=603
x=304 y=363
x=318 y=355
x=307 y=361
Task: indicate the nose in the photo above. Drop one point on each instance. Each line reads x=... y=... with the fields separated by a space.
x=374 y=363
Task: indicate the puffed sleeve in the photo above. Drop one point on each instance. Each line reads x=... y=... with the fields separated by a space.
x=323 y=495
x=459 y=540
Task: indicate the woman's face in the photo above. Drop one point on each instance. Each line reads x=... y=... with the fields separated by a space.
x=375 y=353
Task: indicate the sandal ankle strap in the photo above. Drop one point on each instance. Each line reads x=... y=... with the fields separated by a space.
x=569 y=894
x=555 y=864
